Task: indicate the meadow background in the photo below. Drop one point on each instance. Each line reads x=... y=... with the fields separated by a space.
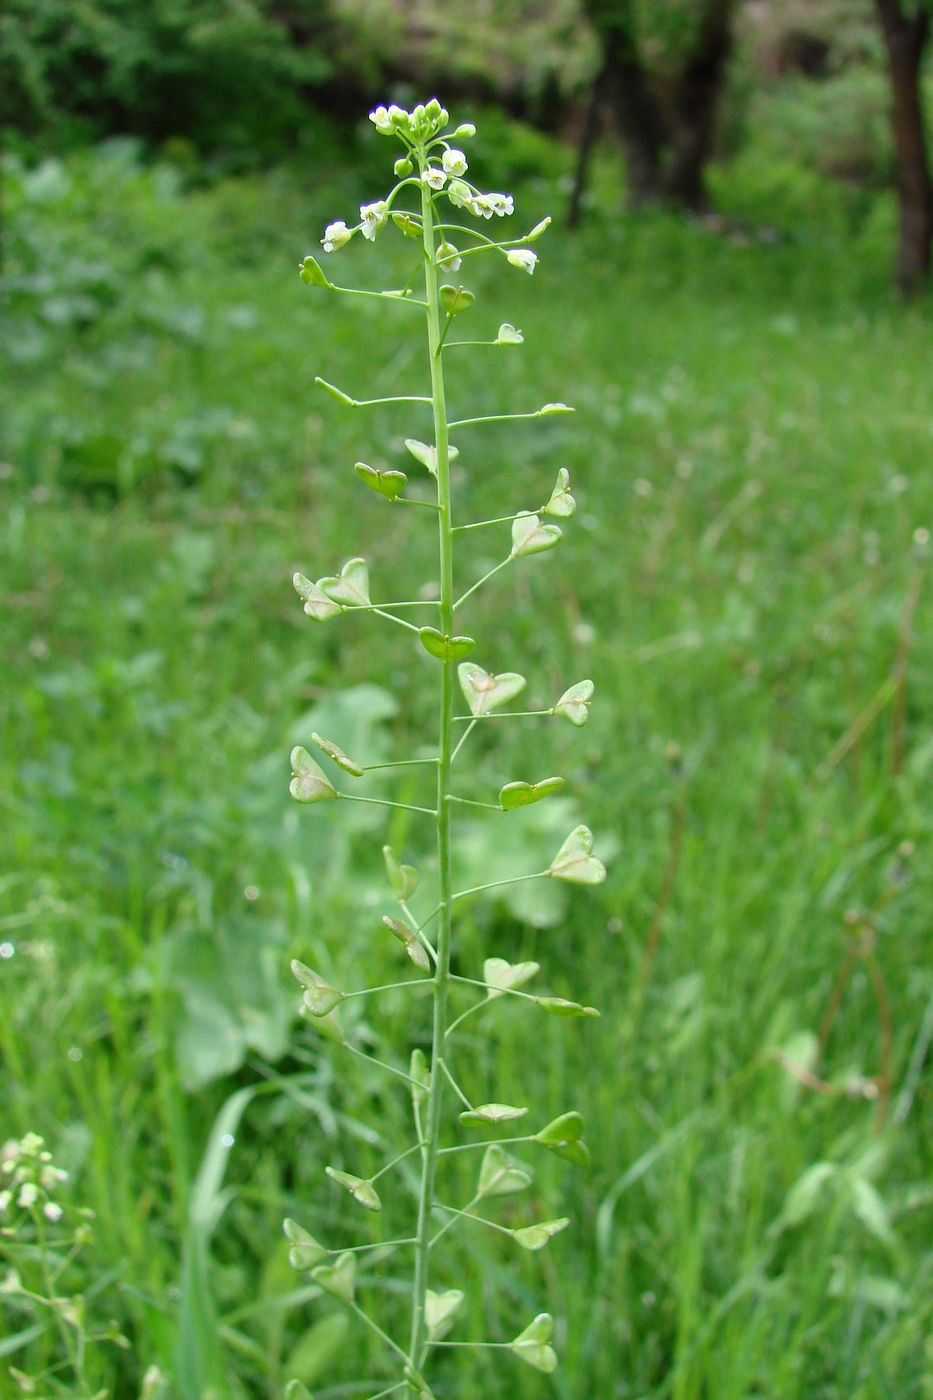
x=744 y=580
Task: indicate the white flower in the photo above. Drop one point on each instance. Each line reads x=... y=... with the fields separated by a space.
x=335 y=236
x=448 y=257
x=434 y=177
x=480 y=206
x=5 y=1199
x=454 y=162
x=374 y=217
x=524 y=259
x=381 y=120
x=28 y=1195
x=52 y=1212
x=501 y=204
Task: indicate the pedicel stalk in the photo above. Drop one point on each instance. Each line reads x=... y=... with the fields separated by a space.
x=432 y=189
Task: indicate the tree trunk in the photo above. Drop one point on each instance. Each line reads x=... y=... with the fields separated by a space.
x=696 y=105
x=905 y=38
x=632 y=99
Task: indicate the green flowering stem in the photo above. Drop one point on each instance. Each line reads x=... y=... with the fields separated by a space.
x=480 y=581
x=385 y=987
x=463 y=737
x=468 y=1215
x=495 y=884
x=384 y=802
x=380 y=296
x=506 y=417
x=455 y=1086
x=381 y=1064
x=501 y=714
x=416 y=1147
x=398 y=763
x=484 y=1143
x=471 y=802
x=499 y=519
x=374 y=1327
x=366 y=403
x=432 y=1127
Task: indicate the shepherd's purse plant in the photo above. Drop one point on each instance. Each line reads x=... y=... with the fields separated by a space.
x=432 y=178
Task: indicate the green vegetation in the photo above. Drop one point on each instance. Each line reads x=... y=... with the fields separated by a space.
x=750 y=452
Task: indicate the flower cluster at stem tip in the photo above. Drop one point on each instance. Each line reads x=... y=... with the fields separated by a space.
x=430 y=159
x=28 y=1176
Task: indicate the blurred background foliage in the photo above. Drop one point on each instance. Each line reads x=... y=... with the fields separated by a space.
x=744 y=580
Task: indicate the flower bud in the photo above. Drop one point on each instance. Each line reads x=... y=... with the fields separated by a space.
x=464 y=130
x=403 y=167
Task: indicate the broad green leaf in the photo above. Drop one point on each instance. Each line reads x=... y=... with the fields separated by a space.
x=456 y=299
x=559 y=1006
x=402 y=878
x=351 y=587
x=406 y=935
x=575 y=861
x=337 y=1278
x=500 y=1174
x=388 y=484
x=532 y=1345
x=362 y=1191
x=574 y=704
x=501 y=976
x=309 y=783
x=439 y=1310
x=317 y=604
x=484 y=692
x=509 y=335
x=534 y=1237
x=529 y=536
x=335 y=752
x=561 y=502
x=443 y=647
x=305 y=1250
x=515 y=795
x=491 y=1113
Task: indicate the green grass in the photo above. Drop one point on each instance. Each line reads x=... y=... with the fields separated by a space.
x=750 y=452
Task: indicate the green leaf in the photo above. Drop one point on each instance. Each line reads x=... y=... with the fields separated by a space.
x=534 y=1237
x=529 y=536
x=456 y=299
x=575 y=861
x=501 y=976
x=563 y=1137
x=500 y=1174
x=574 y=704
x=806 y=1194
x=309 y=783
x=561 y=502
x=509 y=335
x=320 y=997
x=305 y=1250
x=336 y=753
x=334 y=392
x=491 y=1113
x=427 y=456
x=515 y=795
x=567 y=1127
x=484 y=692
x=407 y=225
x=439 y=1310
x=351 y=587
x=362 y=1191
x=402 y=878
x=419 y=1072
x=388 y=484
x=443 y=647
x=337 y=1278
x=294 y=1390
x=317 y=604
x=559 y=1006
x=311 y=273
x=413 y=947
x=532 y=1345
